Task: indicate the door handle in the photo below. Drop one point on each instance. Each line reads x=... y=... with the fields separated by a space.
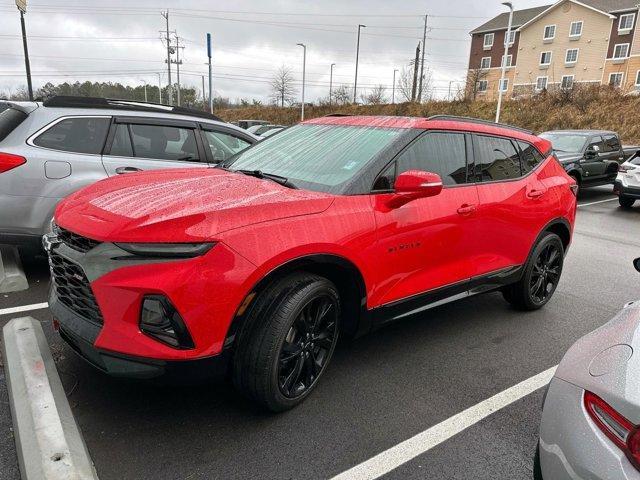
x=121 y=170
x=536 y=193
x=466 y=209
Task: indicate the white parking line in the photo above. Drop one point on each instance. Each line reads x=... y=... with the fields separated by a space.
x=421 y=443
x=23 y=308
x=595 y=203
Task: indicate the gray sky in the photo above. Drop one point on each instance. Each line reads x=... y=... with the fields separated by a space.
x=119 y=41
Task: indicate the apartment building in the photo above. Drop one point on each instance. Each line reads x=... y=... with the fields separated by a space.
x=557 y=46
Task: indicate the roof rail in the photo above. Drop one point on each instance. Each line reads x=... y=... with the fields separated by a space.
x=339 y=115
x=123 y=104
x=454 y=118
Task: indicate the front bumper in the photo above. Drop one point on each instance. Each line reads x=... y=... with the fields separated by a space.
x=571 y=445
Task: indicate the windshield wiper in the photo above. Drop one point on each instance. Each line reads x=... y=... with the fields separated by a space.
x=269 y=176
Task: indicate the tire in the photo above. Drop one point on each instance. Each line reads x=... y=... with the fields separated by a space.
x=281 y=354
x=537 y=469
x=626 y=202
x=540 y=277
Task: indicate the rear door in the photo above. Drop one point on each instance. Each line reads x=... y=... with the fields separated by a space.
x=140 y=143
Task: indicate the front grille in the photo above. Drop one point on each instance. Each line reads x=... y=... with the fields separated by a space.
x=72 y=288
x=75 y=241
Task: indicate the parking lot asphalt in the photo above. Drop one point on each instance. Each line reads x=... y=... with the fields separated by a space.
x=379 y=390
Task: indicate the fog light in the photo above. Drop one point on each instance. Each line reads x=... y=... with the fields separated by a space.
x=160 y=320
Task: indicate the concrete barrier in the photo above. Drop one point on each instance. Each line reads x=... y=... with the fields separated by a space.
x=48 y=441
x=12 y=277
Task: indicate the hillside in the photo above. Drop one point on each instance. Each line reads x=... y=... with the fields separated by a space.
x=599 y=108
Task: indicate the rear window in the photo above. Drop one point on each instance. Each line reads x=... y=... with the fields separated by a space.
x=77 y=135
x=9 y=120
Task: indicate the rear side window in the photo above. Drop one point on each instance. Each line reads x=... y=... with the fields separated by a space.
x=9 y=120
x=531 y=157
x=164 y=143
x=78 y=135
x=496 y=159
x=611 y=143
x=223 y=146
x=441 y=153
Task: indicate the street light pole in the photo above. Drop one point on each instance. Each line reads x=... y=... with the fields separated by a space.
x=169 y=88
x=159 y=88
x=355 y=83
x=22 y=6
x=304 y=66
x=210 y=74
x=504 y=60
x=331 y=83
x=393 y=89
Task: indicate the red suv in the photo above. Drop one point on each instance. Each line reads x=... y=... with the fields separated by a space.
x=333 y=227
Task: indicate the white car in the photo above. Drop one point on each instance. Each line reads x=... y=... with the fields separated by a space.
x=627 y=184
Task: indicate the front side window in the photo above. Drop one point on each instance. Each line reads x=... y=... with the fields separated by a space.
x=621 y=50
x=488 y=40
x=549 y=32
x=485 y=63
x=531 y=157
x=545 y=58
x=77 y=135
x=541 y=83
x=615 y=80
x=436 y=152
x=317 y=157
x=496 y=159
x=572 y=56
x=576 y=29
x=164 y=143
x=223 y=146
x=626 y=21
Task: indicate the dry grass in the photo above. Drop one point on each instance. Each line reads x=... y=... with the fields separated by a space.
x=585 y=108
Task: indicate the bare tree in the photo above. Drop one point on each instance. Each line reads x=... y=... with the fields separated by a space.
x=282 y=88
x=405 y=83
x=375 y=96
x=474 y=77
x=427 y=84
x=342 y=95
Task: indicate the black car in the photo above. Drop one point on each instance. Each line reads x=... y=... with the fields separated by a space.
x=592 y=157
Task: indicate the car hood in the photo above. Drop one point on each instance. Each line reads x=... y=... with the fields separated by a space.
x=568 y=157
x=186 y=205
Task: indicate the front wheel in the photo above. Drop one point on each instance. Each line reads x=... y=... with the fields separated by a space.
x=626 y=202
x=541 y=275
x=293 y=332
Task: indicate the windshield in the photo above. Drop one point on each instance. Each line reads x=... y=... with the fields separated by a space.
x=566 y=142
x=316 y=157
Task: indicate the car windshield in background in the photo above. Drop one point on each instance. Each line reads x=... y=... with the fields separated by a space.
x=566 y=142
x=316 y=157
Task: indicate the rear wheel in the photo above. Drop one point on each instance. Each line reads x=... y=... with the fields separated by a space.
x=292 y=333
x=537 y=469
x=626 y=202
x=541 y=275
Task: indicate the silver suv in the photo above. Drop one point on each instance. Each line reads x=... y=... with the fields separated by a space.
x=50 y=149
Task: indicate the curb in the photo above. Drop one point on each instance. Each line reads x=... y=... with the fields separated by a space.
x=48 y=441
x=12 y=277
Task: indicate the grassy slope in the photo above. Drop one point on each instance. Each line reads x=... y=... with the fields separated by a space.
x=598 y=108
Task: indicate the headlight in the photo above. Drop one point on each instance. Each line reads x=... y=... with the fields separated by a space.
x=167 y=250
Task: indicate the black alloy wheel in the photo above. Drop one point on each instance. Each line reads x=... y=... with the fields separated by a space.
x=546 y=273
x=307 y=347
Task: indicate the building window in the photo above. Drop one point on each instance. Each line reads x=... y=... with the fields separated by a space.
x=567 y=82
x=541 y=83
x=509 y=61
x=626 y=22
x=488 y=40
x=485 y=63
x=638 y=79
x=549 y=32
x=615 y=79
x=572 y=55
x=545 y=58
x=483 y=85
x=512 y=38
x=621 y=51
x=576 y=29
x=504 y=85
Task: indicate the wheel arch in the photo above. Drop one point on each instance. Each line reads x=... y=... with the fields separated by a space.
x=562 y=228
x=576 y=174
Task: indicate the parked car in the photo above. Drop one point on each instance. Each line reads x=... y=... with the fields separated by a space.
x=246 y=124
x=591 y=157
x=332 y=227
x=627 y=184
x=272 y=131
x=49 y=150
x=591 y=411
x=260 y=130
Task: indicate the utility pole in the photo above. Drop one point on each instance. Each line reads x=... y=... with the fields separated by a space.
x=304 y=67
x=22 y=6
x=331 y=83
x=416 y=63
x=449 y=95
x=504 y=59
x=178 y=62
x=204 y=96
x=424 y=40
x=145 y=92
x=210 y=73
x=159 y=88
x=393 y=89
x=355 y=83
x=168 y=39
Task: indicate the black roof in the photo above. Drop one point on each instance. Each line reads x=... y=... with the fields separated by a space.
x=455 y=118
x=123 y=104
x=585 y=132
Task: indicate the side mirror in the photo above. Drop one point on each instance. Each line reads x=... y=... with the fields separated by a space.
x=592 y=152
x=636 y=263
x=415 y=184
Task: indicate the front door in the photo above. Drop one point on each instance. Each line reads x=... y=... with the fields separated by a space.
x=427 y=244
x=593 y=164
